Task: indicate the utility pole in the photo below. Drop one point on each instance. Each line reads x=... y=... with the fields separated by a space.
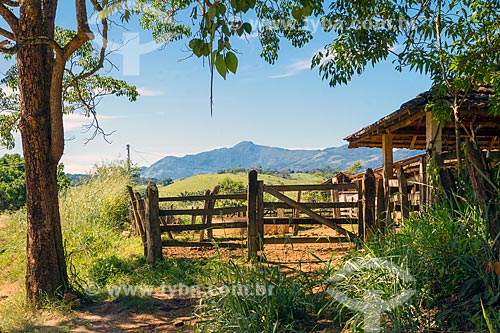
x=128 y=158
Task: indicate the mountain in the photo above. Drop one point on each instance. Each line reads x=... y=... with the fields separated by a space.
x=248 y=155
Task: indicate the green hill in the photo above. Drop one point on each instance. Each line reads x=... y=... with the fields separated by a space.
x=248 y=155
x=208 y=181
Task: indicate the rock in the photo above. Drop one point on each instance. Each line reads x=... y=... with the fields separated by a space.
x=126 y=234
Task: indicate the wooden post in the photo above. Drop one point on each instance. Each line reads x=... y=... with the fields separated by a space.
x=153 y=234
x=142 y=221
x=369 y=202
x=361 y=220
x=211 y=205
x=260 y=214
x=388 y=170
x=335 y=197
x=135 y=214
x=296 y=214
x=252 y=236
x=204 y=217
x=423 y=182
x=403 y=193
x=434 y=145
x=380 y=220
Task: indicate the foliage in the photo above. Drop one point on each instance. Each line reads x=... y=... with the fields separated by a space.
x=455 y=41
x=81 y=92
x=447 y=253
x=355 y=167
x=13 y=183
x=259 y=299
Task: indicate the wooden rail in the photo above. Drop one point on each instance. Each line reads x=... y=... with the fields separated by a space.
x=255 y=212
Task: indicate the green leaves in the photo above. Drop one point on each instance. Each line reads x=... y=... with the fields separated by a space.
x=231 y=62
x=220 y=65
x=226 y=63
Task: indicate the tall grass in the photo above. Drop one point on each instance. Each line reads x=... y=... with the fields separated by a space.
x=260 y=299
x=447 y=253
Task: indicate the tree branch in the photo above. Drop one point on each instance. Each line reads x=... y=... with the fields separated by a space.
x=83 y=35
x=10 y=3
x=34 y=40
x=104 y=46
x=10 y=18
x=7 y=34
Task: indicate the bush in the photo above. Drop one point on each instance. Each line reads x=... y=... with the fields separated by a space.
x=447 y=253
x=259 y=299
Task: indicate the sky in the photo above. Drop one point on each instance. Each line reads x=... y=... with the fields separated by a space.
x=283 y=105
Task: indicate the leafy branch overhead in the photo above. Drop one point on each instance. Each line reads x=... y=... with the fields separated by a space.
x=83 y=89
x=215 y=24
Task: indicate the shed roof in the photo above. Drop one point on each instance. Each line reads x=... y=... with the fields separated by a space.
x=407 y=124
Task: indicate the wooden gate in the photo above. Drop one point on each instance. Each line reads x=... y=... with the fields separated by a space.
x=250 y=212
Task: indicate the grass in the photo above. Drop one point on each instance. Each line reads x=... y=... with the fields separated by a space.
x=208 y=181
x=261 y=298
x=446 y=251
x=99 y=258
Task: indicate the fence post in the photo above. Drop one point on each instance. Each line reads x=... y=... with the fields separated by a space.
x=380 y=220
x=423 y=183
x=142 y=221
x=211 y=205
x=369 y=202
x=252 y=232
x=204 y=217
x=361 y=220
x=403 y=192
x=153 y=234
x=135 y=219
x=260 y=214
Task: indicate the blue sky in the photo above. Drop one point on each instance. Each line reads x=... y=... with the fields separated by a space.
x=285 y=105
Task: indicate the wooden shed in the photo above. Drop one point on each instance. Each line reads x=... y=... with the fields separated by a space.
x=413 y=126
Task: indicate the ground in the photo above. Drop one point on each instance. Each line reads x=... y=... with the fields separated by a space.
x=173 y=314
x=164 y=312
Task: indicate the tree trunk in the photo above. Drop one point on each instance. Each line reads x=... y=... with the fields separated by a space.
x=480 y=175
x=46 y=273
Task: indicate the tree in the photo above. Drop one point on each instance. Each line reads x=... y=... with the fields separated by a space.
x=52 y=65
x=12 y=183
x=455 y=42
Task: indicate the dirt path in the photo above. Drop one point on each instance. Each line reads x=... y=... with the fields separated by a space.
x=167 y=313
x=174 y=313
x=160 y=313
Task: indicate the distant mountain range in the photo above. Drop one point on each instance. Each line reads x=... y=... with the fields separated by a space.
x=248 y=155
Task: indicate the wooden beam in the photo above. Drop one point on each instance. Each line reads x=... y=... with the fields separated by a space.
x=312 y=187
x=203 y=244
x=309 y=212
x=413 y=140
x=387 y=157
x=433 y=134
x=304 y=240
x=313 y=205
x=214 y=211
x=241 y=196
x=404 y=123
x=403 y=193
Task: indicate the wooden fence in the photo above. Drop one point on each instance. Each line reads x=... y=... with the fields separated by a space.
x=250 y=212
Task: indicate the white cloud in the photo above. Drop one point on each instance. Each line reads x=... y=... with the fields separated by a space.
x=147 y=92
x=294 y=69
x=75 y=121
